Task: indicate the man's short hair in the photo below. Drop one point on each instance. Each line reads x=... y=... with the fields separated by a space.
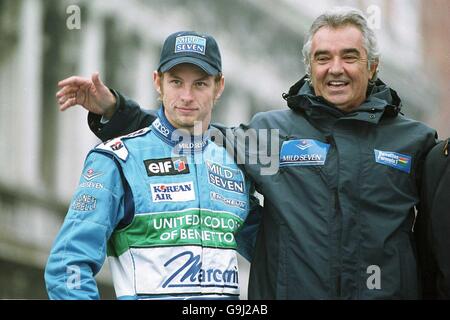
x=339 y=17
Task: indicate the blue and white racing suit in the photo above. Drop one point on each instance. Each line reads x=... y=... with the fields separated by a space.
x=166 y=214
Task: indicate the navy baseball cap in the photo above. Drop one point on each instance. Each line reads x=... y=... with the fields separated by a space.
x=191 y=47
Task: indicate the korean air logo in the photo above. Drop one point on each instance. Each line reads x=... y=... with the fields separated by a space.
x=173 y=192
x=304 y=144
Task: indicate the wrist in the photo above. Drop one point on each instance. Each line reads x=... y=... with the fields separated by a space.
x=111 y=108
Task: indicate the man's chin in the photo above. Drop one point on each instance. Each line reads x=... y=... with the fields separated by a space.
x=336 y=101
x=345 y=107
x=187 y=125
x=341 y=104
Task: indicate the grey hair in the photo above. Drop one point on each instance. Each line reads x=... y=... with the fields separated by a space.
x=338 y=17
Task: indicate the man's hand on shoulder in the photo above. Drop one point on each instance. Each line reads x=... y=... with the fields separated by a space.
x=91 y=94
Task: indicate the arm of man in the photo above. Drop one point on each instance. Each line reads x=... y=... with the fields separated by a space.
x=128 y=117
x=79 y=250
x=433 y=223
x=246 y=237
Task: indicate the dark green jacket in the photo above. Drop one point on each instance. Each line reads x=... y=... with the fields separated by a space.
x=341 y=230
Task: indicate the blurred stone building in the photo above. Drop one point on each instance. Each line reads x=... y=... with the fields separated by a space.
x=43 y=150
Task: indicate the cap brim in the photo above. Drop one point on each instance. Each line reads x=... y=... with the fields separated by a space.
x=205 y=66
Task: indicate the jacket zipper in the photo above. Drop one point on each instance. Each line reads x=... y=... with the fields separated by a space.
x=339 y=243
x=338 y=223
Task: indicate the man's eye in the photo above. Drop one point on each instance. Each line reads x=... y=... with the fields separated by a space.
x=175 y=82
x=350 y=58
x=322 y=59
x=201 y=84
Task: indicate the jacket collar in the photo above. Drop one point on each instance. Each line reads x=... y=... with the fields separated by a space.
x=381 y=100
x=180 y=140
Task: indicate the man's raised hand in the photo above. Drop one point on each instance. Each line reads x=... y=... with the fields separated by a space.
x=91 y=94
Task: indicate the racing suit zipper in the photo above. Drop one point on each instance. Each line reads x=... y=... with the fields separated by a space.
x=197 y=190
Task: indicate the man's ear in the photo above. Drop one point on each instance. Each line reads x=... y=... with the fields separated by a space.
x=157 y=81
x=220 y=88
x=373 y=69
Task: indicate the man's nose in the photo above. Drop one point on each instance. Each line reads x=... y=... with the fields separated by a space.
x=186 y=94
x=337 y=66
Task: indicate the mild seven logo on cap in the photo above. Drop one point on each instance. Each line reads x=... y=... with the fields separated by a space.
x=190 y=44
x=395 y=160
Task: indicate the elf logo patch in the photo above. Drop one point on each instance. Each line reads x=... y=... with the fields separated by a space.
x=166 y=166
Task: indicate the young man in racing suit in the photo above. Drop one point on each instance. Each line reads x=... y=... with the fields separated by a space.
x=165 y=202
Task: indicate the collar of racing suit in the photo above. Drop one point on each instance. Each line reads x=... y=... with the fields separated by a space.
x=181 y=140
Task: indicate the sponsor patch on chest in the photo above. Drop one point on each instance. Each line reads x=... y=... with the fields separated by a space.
x=173 y=192
x=225 y=178
x=166 y=166
x=227 y=201
x=303 y=152
x=395 y=160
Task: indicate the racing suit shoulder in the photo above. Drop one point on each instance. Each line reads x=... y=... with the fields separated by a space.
x=117 y=147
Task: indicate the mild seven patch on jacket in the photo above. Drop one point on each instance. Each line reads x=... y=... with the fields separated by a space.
x=395 y=160
x=304 y=152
